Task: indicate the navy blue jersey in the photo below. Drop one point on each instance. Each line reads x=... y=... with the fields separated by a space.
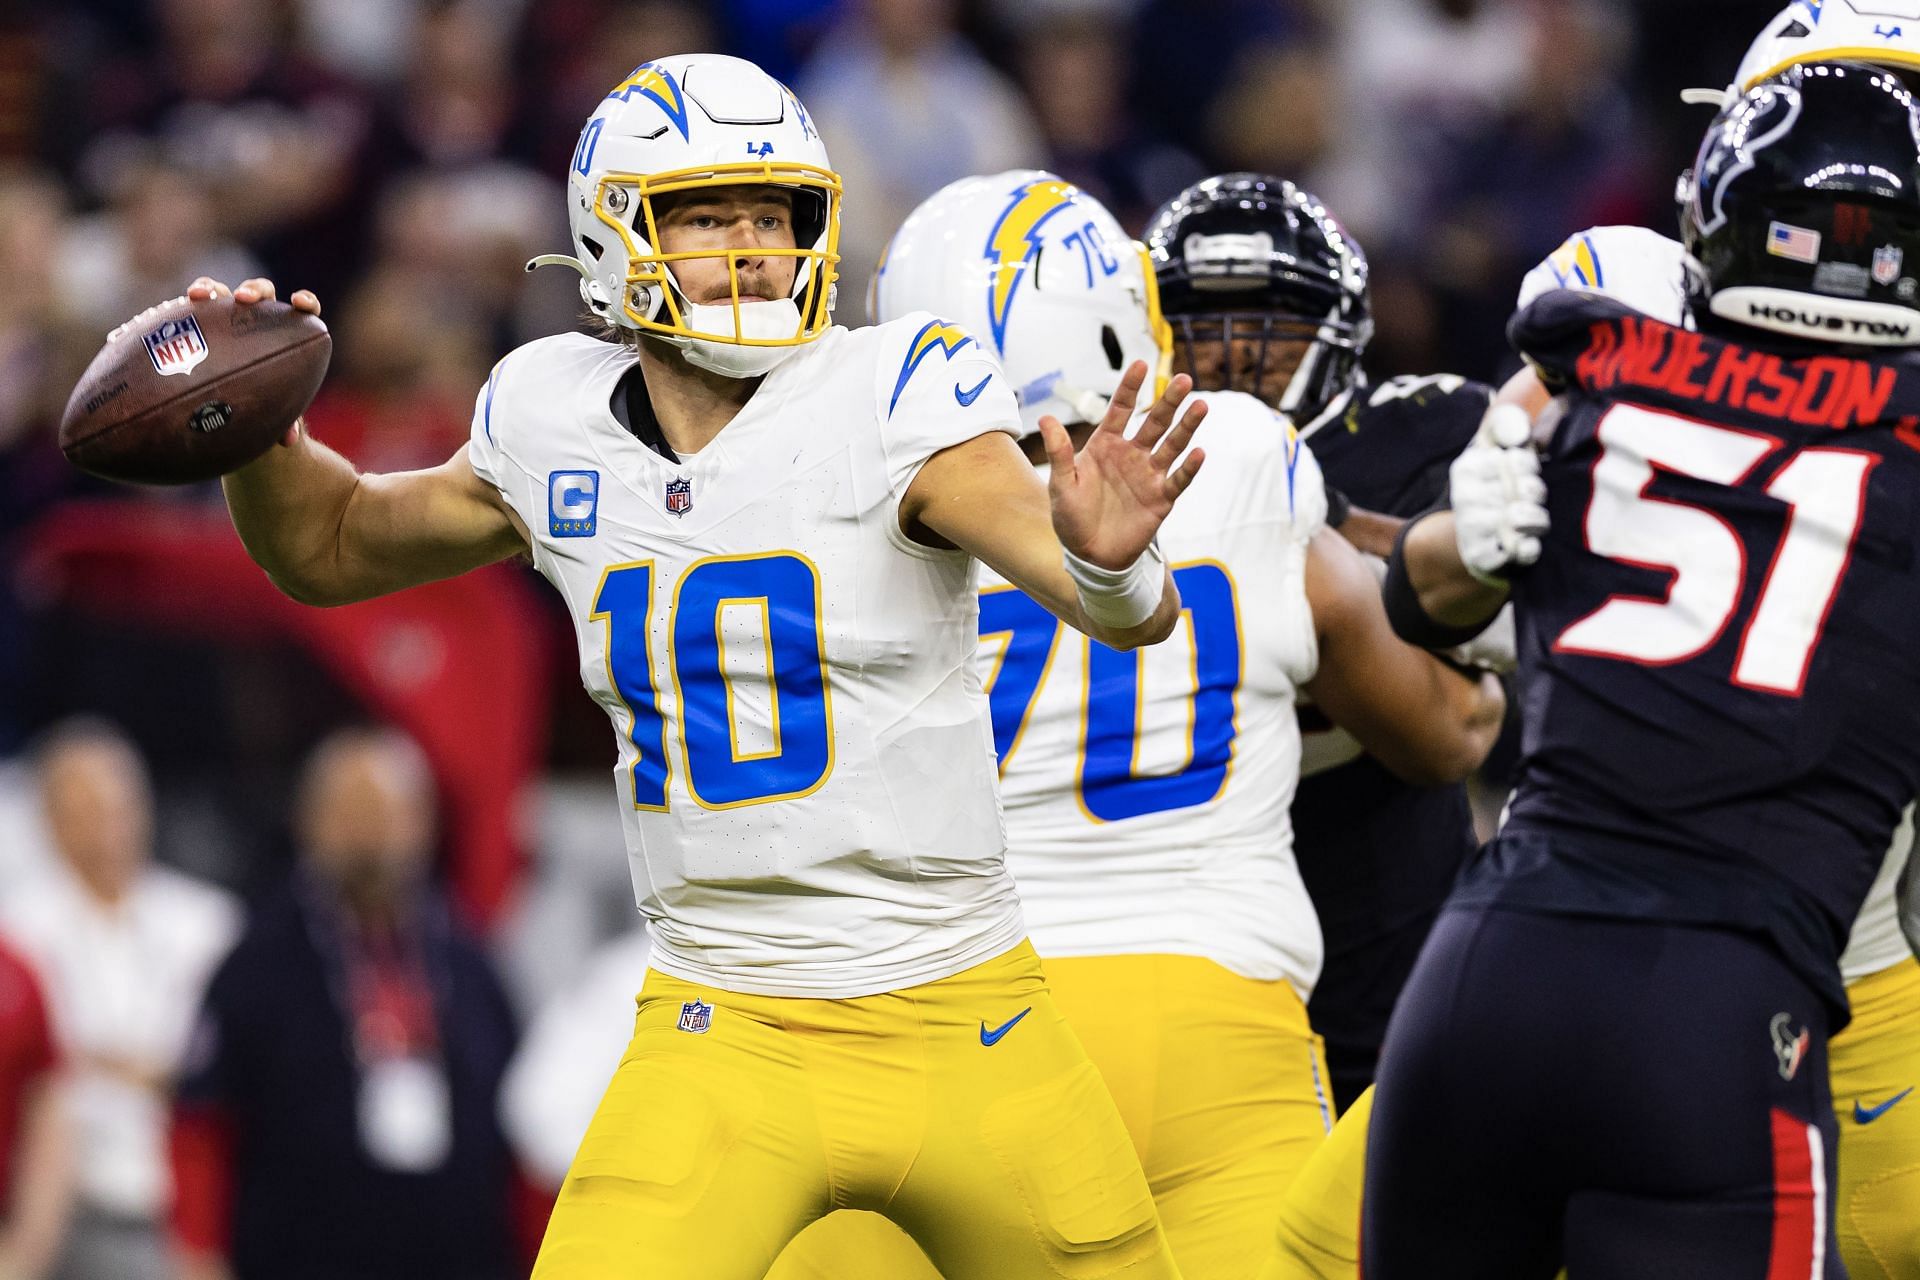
x=1378 y=855
x=1720 y=680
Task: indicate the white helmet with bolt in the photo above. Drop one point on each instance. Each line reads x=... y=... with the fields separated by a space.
x=682 y=124
x=1040 y=272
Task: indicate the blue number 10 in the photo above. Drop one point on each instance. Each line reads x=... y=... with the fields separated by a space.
x=784 y=590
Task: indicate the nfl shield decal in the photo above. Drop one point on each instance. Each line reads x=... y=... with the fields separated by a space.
x=1887 y=261
x=176 y=346
x=696 y=1016
x=679 y=496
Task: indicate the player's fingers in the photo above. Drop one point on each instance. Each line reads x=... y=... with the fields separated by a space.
x=305 y=300
x=1125 y=396
x=1160 y=417
x=205 y=287
x=1059 y=446
x=1181 y=436
x=1182 y=475
x=258 y=289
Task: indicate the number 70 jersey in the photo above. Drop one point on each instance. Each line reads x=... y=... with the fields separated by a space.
x=1147 y=793
x=805 y=772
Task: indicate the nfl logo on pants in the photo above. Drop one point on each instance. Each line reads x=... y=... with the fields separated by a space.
x=696 y=1017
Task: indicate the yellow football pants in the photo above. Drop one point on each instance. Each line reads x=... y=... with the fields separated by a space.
x=963 y=1109
x=1874 y=1065
x=1220 y=1082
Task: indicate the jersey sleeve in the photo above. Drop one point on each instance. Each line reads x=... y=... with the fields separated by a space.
x=1641 y=269
x=1306 y=488
x=483 y=447
x=938 y=387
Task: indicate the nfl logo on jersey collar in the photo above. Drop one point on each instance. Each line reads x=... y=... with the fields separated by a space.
x=679 y=499
x=695 y=1017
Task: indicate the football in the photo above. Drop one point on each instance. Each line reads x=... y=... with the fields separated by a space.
x=187 y=391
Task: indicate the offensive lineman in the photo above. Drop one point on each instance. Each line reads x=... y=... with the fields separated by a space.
x=764 y=527
x=1267 y=294
x=1146 y=794
x=1643 y=966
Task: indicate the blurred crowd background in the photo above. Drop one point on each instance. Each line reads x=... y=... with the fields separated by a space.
x=430 y=890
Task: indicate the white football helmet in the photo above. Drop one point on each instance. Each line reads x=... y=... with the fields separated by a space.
x=1881 y=32
x=680 y=124
x=1039 y=271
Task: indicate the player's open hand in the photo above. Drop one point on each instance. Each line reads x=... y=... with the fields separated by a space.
x=258 y=289
x=1109 y=498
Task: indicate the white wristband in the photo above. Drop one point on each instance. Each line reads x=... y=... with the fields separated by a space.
x=1120 y=599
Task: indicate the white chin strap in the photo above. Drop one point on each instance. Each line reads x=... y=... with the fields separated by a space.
x=777 y=319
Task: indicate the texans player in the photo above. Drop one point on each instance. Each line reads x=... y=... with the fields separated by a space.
x=1146 y=795
x=1643 y=967
x=1267 y=295
x=764 y=527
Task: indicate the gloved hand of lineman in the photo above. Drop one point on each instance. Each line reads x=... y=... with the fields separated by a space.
x=1498 y=498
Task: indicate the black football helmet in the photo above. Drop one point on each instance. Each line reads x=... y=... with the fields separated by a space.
x=1802 y=213
x=1249 y=256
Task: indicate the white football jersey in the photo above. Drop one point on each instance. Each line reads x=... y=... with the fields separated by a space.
x=1647 y=271
x=805 y=763
x=1147 y=793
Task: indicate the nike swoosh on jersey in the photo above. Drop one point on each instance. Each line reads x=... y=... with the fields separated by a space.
x=993 y=1037
x=1867 y=1115
x=968 y=397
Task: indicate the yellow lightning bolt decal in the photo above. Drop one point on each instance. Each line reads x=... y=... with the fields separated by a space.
x=936 y=335
x=1013 y=242
x=1574 y=265
x=655 y=84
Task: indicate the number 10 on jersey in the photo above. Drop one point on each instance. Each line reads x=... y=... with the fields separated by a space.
x=781 y=591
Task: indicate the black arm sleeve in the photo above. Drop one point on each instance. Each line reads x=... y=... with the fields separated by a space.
x=1411 y=622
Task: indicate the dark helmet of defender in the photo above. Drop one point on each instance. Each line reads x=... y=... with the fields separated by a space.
x=1258 y=266
x=1802 y=213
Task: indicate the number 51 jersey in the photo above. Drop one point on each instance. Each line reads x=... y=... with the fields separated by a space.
x=1147 y=793
x=1720 y=685
x=805 y=766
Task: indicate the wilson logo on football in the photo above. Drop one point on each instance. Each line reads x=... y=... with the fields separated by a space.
x=177 y=346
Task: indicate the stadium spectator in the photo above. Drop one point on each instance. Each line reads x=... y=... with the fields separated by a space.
x=224 y=97
x=1566 y=153
x=908 y=106
x=151 y=240
x=1074 y=68
x=36 y=1146
x=124 y=948
x=572 y=1046
x=338 y=1113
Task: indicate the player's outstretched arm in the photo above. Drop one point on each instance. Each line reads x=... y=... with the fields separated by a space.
x=1102 y=505
x=328 y=535
x=1425 y=720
